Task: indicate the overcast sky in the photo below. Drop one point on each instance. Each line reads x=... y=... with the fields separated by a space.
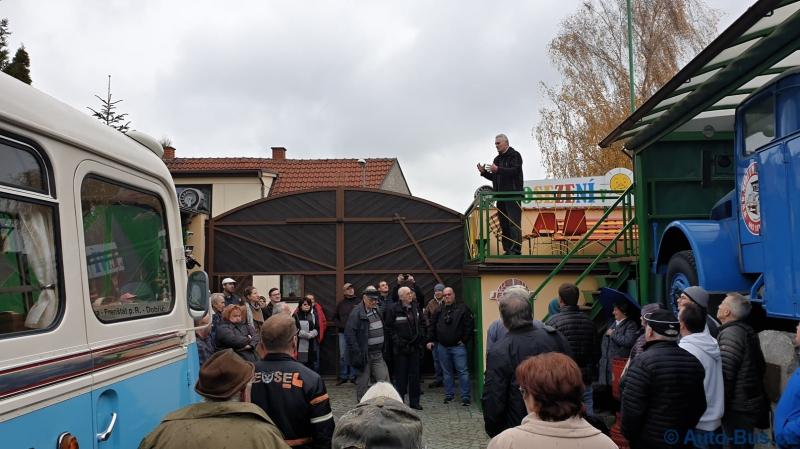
x=429 y=82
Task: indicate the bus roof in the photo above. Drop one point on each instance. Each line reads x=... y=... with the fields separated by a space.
x=31 y=109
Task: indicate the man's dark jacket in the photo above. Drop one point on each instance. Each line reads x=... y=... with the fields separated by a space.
x=503 y=407
x=509 y=172
x=295 y=398
x=452 y=324
x=663 y=391
x=404 y=328
x=232 y=298
x=580 y=332
x=356 y=335
x=343 y=309
x=743 y=369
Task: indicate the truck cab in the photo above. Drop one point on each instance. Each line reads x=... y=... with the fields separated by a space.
x=750 y=242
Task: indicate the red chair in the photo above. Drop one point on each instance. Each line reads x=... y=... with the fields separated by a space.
x=545 y=225
x=575 y=223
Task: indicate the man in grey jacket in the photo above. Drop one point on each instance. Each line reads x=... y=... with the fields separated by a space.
x=696 y=340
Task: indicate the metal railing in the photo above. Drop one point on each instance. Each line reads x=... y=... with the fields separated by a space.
x=563 y=224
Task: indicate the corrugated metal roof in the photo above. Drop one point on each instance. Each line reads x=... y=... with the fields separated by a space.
x=759 y=45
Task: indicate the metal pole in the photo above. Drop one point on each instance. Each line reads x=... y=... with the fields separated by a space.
x=630 y=54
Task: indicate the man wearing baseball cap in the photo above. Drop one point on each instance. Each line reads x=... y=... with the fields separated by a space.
x=664 y=397
x=365 y=342
x=229 y=289
x=225 y=418
x=699 y=296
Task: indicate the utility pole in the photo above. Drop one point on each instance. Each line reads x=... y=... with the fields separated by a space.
x=630 y=55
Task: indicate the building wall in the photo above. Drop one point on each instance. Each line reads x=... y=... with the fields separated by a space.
x=491 y=282
x=226 y=193
x=231 y=192
x=395 y=182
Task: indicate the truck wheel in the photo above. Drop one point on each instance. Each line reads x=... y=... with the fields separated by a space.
x=681 y=273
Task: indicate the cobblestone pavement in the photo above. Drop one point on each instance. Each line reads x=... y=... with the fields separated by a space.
x=450 y=426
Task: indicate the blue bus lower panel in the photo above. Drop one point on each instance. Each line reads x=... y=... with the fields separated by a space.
x=141 y=402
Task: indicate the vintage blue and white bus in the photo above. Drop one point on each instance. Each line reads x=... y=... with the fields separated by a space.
x=96 y=307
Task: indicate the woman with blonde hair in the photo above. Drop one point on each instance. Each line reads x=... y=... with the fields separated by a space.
x=552 y=388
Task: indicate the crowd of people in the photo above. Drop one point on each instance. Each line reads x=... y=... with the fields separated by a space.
x=691 y=380
x=682 y=381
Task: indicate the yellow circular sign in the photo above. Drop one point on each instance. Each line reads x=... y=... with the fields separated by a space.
x=620 y=181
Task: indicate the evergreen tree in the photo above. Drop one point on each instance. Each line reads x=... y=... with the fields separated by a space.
x=107 y=113
x=19 y=67
x=4 y=33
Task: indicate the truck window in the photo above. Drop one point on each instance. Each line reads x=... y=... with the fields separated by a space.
x=127 y=251
x=30 y=294
x=759 y=123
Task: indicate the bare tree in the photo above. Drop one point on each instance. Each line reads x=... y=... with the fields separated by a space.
x=108 y=114
x=591 y=53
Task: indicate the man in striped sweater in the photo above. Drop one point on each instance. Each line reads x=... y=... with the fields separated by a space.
x=365 y=342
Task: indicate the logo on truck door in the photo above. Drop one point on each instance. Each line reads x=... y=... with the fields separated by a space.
x=748 y=201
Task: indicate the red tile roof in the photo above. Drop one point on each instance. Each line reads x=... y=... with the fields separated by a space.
x=293 y=174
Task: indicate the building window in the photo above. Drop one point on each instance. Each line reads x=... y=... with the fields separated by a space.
x=292 y=287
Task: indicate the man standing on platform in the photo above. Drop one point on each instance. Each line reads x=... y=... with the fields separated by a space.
x=506 y=176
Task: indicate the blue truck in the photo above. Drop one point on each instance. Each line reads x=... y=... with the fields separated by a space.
x=751 y=241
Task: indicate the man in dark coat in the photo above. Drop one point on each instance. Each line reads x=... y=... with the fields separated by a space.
x=506 y=176
x=343 y=309
x=743 y=366
x=503 y=406
x=580 y=332
x=366 y=339
x=229 y=290
x=405 y=331
x=452 y=327
x=663 y=398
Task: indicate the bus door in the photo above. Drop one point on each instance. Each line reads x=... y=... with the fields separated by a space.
x=135 y=328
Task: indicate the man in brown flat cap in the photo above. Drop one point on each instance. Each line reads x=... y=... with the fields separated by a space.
x=225 y=418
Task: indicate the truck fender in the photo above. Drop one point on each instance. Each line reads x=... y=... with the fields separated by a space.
x=715 y=247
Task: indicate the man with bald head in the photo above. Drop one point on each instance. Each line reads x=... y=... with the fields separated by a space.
x=292 y=394
x=503 y=406
x=451 y=330
x=405 y=332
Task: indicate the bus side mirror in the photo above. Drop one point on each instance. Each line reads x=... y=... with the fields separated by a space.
x=197 y=294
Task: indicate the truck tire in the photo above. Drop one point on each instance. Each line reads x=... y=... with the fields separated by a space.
x=681 y=273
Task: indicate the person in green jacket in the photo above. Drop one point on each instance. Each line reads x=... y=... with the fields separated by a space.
x=225 y=419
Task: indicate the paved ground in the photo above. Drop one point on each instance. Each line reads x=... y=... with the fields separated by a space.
x=450 y=426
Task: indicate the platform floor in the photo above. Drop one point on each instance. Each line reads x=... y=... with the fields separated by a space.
x=450 y=426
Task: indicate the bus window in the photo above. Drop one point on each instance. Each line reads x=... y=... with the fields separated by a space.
x=21 y=167
x=127 y=251
x=759 y=123
x=30 y=297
